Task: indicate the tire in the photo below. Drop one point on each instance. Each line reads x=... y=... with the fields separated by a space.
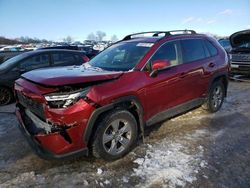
x=6 y=96
x=215 y=97
x=115 y=136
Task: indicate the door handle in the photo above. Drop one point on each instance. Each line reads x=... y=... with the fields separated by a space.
x=211 y=65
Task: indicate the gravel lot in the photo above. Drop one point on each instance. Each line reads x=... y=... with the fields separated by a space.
x=196 y=149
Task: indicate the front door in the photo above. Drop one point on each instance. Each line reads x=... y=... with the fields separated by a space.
x=163 y=90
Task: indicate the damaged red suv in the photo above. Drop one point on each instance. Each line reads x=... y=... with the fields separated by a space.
x=103 y=106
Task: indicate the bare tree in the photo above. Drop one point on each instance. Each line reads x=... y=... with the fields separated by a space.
x=68 y=39
x=100 y=35
x=91 y=36
x=114 y=38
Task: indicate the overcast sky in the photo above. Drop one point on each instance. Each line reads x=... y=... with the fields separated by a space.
x=55 y=19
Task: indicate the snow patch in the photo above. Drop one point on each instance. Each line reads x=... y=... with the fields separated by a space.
x=168 y=164
x=23 y=178
x=124 y=179
x=99 y=171
x=106 y=182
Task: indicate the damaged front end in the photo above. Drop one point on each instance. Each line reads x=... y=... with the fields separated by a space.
x=54 y=121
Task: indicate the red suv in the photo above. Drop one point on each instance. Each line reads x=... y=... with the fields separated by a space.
x=104 y=105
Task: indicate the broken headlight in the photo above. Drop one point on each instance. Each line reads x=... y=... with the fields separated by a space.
x=63 y=100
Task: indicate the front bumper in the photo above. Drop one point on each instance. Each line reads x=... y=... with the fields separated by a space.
x=57 y=144
x=39 y=149
x=242 y=68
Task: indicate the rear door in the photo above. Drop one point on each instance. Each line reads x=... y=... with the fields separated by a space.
x=191 y=71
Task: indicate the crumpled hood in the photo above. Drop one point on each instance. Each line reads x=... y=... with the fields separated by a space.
x=60 y=76
x=240 y=38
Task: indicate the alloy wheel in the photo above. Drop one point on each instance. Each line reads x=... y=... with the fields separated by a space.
x=217 y=97
x=117 y=136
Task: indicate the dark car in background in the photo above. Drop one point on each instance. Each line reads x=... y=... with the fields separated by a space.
x=225 y=43
x=11 y=69
x=240 y=53
x=87 y=49
x=65 y=47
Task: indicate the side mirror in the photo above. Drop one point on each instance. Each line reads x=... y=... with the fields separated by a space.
x=158 y=65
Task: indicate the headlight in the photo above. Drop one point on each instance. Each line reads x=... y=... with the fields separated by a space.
x=62 y=100
x=230 y=56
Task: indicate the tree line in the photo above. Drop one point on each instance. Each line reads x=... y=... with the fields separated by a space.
x=21 y=40
x=97 y=36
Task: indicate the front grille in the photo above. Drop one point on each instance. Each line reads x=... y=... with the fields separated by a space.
x=244 y=68
x=241 y=57
x=32 y=105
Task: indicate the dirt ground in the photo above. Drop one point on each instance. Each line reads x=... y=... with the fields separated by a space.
x=196 y=149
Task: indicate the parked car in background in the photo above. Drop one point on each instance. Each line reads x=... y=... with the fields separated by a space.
x=11 y=49
x=87 y=49
x=65 y=47
x=103 y=106
x=240 y=53
x=225 y=43
x=11 y=69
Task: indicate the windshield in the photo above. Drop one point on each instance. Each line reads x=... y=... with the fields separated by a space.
x=121 y=56
x=225 y=43
x=12 y=61
x=245 y=45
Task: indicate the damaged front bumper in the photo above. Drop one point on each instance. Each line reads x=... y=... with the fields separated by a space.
x=61 y=140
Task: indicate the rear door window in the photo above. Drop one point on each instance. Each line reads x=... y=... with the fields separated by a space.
x=192 y=50
x=64 y=59
x=35 y=62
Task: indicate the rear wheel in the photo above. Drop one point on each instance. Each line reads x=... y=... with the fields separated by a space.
x=215 y=97
x=6 y=96
x=115 y=136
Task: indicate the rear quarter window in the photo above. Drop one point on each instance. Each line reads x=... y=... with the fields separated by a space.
x=211 y=48
x=192 y=50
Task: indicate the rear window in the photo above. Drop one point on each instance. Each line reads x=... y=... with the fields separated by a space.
x=192 y=50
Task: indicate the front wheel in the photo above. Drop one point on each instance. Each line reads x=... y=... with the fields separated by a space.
x=115 y=135
x=215 y=97
x=6 y=96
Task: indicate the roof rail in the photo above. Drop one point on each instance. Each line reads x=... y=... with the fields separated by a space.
x=156 y=33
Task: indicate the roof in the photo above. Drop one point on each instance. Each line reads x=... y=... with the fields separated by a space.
x=54 y=50
x=159 y=35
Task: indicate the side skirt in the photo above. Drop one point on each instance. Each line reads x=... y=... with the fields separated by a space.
x=175 y=111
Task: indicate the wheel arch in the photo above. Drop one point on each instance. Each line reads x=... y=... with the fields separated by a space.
x=130 y=103
x=220 y=76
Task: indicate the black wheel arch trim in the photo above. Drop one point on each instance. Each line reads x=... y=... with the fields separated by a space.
x=94 y=116
x=215 y=77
